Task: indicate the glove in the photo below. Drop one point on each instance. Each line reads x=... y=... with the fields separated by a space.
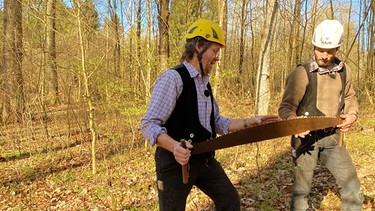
x=306 y=145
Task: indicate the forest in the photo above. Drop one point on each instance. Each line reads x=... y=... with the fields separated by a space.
x=77 y=75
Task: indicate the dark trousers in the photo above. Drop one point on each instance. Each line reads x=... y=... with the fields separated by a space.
x=204 y=172
x=338 y=162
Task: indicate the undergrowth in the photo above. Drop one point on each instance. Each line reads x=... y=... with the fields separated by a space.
x=52 y=171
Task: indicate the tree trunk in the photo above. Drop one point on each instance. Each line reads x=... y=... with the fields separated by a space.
x=293 y=42
x=163 y=18
x=115 y=22
x=263 y=91
x=223 y=21
x=12 y=79
x=139 y=48
x=242 y=37
x=371 y=54
x=332 y=10
x=53 y=88
x=86 y=77
x=149 y=54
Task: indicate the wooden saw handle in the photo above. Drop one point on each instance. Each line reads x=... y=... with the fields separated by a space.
x=341 y=140
x=185 y=173
x=342 y=136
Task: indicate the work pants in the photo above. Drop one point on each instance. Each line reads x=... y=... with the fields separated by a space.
x=338 y=162
x=205 y=172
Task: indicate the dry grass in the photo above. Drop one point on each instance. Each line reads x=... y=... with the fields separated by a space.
x=46 y=165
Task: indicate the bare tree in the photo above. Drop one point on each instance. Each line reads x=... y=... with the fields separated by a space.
x=115 y=41
x=242 y=34
x=294 y=37
x=223 y=22
x=263 y=91
x=13 y=105
x=86 y=76
x=148 y=46
x=370 y=90
x=163 y=18
x=53 y=88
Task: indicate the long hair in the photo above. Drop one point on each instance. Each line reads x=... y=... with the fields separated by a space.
x=189 y=50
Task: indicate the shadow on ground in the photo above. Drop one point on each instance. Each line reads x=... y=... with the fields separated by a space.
x=271 y=188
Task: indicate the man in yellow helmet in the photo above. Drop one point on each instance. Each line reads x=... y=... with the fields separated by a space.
x=322 y=86
x=182 y=107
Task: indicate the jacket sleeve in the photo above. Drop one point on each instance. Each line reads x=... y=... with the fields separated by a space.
x=296 y=84
x=351 y=102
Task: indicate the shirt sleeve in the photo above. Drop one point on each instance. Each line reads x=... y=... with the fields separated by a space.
x=221 y=123
x=167 y=88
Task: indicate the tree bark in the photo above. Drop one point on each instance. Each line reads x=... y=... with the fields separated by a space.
x=163 y=18
x=242 y=37
x=86 y=77
x=263 y=91
x=293 y=42
x=12 y=78
x=53 y=88
x=223 y=21
x=371 y=53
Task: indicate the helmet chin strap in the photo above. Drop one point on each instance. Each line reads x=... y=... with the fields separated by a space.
x=200 y=55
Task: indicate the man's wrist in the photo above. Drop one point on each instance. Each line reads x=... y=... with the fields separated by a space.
x=354 y=114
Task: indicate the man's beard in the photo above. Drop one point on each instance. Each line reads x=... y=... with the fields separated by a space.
x=323 y=63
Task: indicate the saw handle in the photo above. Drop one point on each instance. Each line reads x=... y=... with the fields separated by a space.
x=341 y=140
x=342 y=136
x=185 y=173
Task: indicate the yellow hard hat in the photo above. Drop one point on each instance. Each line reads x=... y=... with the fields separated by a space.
x=207 y=30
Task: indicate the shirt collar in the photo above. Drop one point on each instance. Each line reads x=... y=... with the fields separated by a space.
x=337 y=65
x=193 y=72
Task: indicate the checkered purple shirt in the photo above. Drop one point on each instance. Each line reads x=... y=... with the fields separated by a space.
x=167 y=88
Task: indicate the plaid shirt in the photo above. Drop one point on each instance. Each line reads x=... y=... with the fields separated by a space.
x=168 y=87
x=321 y=70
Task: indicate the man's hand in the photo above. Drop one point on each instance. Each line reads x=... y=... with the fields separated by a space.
x=181 y=154
x=240 y=124
x=299 y=135
x=349 y=119
x=262 y=119
x=302 y=135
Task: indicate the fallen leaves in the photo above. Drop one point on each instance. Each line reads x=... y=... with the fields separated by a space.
x=56 y=174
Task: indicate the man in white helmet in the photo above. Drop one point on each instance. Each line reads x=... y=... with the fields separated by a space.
x=322 y=86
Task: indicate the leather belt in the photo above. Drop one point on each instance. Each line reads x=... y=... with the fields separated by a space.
x=327 y=132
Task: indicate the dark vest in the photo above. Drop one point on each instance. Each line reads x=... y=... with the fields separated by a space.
x=184 y=121
x=307 y=107
x=308 y=103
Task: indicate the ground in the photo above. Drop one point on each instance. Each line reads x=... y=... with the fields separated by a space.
x=46 y=164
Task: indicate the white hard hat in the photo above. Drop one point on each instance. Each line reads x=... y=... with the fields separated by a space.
x=328 y=34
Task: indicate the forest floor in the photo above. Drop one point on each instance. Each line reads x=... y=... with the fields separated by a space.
x=47 y=165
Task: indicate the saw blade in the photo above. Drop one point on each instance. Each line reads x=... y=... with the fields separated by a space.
x=265 y=132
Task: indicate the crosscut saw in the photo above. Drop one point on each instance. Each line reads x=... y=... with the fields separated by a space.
x=265 y=132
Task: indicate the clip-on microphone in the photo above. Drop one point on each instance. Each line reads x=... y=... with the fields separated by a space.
x=207 y=93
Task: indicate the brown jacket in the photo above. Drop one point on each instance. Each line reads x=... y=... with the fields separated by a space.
x=328 y=93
